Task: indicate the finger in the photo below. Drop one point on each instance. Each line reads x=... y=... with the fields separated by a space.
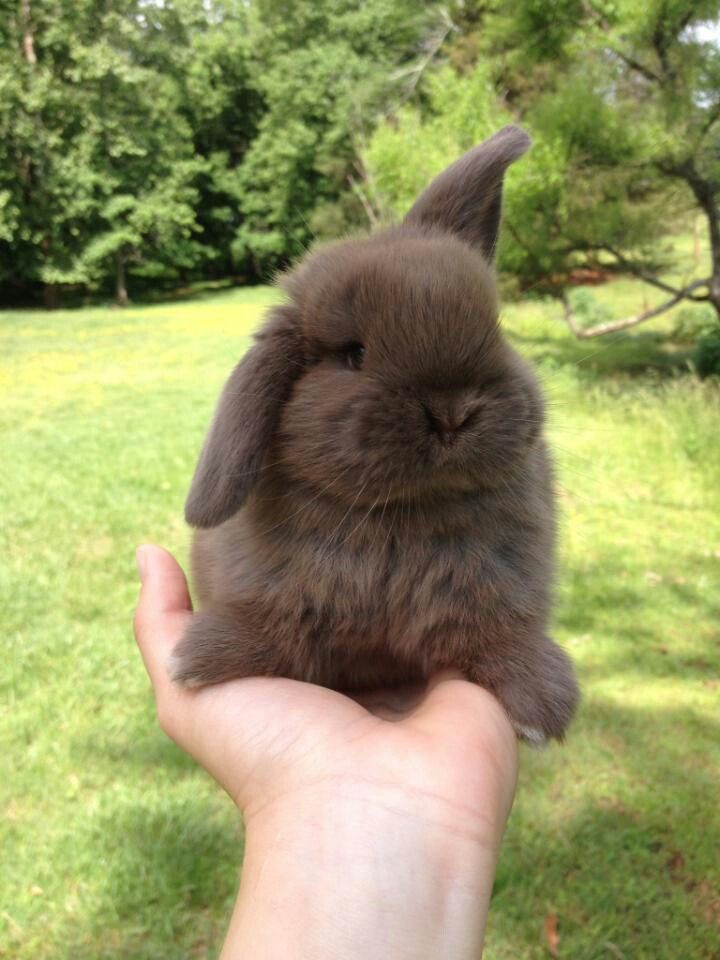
x=165 y=588
x=459 y=714
x=453 y=701
x=163 y=608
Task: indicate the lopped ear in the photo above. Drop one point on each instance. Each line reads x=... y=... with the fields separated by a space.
x=466 y=198
x=244 y=421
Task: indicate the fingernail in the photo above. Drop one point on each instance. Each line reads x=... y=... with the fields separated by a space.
x=141 y=560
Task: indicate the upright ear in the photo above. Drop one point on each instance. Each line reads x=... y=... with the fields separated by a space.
x=466 y=198
x=244 y=421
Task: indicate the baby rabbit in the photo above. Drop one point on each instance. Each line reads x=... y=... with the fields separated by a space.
x=374 y=500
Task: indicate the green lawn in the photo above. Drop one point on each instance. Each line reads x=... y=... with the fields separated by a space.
x=115 y=846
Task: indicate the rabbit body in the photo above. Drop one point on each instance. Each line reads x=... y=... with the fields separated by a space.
x=375 y=498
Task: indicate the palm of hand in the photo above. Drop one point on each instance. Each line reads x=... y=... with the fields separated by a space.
x=438 y=752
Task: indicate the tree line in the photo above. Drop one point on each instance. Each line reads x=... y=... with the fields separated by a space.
x=147 y=143
x=161 y=140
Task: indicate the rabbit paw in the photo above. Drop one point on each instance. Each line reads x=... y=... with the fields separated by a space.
x=216 y=647
x=541 y=701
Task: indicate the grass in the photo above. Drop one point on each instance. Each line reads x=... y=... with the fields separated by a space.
x=116 y=846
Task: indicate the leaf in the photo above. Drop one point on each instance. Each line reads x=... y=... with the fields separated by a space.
x=552 y=937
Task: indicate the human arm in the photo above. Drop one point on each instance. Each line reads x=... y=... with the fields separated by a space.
x=372 y=829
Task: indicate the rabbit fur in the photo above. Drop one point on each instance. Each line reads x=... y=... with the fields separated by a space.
x=374 y=501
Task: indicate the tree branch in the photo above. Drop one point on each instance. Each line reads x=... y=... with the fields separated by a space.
x=612 y=326
x=357 y=189
x=712 y=115
x=660 y=45
x=432 y=47
x=629 y=267
x=635 y=65
x=705 y=192
x=532 y=256
x=28 y=39
x=363 y=186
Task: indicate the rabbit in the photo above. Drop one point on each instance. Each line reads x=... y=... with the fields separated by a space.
x=374 y=500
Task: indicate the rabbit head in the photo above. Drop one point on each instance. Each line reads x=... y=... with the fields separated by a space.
x=386 y=376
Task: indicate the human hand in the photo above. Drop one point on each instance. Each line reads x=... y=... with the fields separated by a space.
x=377 y=822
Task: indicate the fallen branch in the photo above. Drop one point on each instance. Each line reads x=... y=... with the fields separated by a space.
x=612 y=326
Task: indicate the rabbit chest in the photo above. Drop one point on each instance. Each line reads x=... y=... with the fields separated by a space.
x=375 y=586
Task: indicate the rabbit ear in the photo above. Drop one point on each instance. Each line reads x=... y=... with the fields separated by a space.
x=466 y=198
x=245 y=421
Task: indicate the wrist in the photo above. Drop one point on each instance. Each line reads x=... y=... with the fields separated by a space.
x=361 y=869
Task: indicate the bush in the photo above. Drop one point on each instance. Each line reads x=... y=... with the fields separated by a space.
x=707 y=352
x=691 y=323
x=588 y=310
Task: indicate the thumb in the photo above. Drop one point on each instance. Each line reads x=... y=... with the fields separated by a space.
x=163 y=609
x=452 y=704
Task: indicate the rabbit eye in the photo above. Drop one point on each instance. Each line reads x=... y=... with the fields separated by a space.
x=354 y=354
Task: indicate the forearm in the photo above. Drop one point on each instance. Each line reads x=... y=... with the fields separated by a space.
x=367 y=836
x=361 y=875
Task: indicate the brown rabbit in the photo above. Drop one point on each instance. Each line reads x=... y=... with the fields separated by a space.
x=374 y=498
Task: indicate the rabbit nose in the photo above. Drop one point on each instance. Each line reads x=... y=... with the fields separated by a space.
x=447 y=416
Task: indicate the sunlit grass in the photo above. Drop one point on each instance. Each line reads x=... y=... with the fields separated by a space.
x=115 y=846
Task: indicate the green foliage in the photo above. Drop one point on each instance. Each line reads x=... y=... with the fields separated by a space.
x=175 y=138
x=623 y=102
x=460 y=111
x=117 y=847
x=222 y=106
x=170 y=140
x=707 y=352
x=692 y=322
x=405 y=154
x=588 y=310
x=94 y=123
x=323 y=69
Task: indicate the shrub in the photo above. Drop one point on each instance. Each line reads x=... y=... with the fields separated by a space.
x=707 y=352
x=588 y=310
x=691 y=323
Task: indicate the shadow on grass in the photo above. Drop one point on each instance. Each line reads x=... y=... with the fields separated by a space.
x=171 y=874
x=626 y=862
x=145 y=754
x=629 y=866
x=595 y=605
x=183 y=292
x=138 y=748
x=614 y=356
x=216 y=290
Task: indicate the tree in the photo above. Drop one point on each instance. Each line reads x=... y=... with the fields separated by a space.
x=210 y=53
x=42 y=187
x=623 y=100
x=170 y=138
x=105 y=151
x=460 y=110
x=324 y=70
x=144 y=168
x=650 y=74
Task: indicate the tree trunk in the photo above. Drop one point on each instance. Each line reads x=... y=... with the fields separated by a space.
x=50 y=296
x=28 y=39
x=704 y=192
x=121 y=294
x=714 y=297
